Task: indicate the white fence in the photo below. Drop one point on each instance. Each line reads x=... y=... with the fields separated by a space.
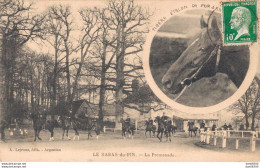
x=223 y=135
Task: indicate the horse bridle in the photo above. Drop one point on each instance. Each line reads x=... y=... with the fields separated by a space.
x=187 y=82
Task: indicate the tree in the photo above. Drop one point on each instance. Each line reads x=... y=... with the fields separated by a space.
x=55 y=36
x=129 y=24
x=255 y=104
x=17 y=28
x=248 y=104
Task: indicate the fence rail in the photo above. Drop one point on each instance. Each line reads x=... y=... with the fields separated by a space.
x=253 y=136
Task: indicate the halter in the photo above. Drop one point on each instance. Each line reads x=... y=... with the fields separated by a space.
x=187 y=82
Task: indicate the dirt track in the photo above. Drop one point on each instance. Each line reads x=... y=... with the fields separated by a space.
x=112 y=147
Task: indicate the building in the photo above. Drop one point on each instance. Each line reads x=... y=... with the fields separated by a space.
x=82 y=108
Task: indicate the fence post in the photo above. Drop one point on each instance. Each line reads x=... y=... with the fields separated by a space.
x=215 y=140
x=242 y=134
x=104 y=129
x=228 y=132
x=201 y=135
x=253 y=141
x=237 y=143
x=136 y=125
x=207 y=137
x=224 y=139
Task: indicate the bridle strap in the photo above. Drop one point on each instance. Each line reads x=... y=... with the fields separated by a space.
x=179 y=95
x=218 y=59
x=213 y=53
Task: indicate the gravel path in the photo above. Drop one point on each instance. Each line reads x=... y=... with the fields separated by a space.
x=112 y=147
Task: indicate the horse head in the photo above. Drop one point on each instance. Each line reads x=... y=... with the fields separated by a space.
x=196 y=61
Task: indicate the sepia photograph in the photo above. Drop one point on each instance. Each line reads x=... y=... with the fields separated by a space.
x=190 y=64
x=75 y=82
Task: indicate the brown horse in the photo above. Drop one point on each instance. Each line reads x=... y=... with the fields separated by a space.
x=164 y=127
x=127 y=127
x=192 y=129
x=150 y=128
x=204 y=57
x=39 y=121
x=86 y=124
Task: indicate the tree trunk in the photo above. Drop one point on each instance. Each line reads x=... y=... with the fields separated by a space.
x=32 y=95
x=253 y=120
x=102 y=85
x=119 y=88
x=70 y=99
x=247 y=122
x=54 y=80
x=120 y=81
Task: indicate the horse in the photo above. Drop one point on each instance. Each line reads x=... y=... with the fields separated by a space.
x=85 y=123
x=40 y=121
x=163 y=128
x=127 y=127
x=173 y=129
x=150 y=128
x=205 y=57
x=192 y=129
x=168 y=130
x=65 y=123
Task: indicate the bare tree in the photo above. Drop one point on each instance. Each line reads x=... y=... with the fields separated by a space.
x=55 y=36
x=255 y=105
x=90 y=32
x=248 y=104
x=129 y=23
x=17 y=27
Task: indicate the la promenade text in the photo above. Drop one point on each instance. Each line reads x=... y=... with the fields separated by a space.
x=131 y=154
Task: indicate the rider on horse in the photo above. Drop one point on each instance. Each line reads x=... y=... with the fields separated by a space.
x=164 y=118
x=229 y=126
x=128 y=121
x=150 y=121
x=202 y=125
x=225 y=126
x=214 y=126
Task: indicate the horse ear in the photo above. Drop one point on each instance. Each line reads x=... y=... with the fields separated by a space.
x=215 y=32
x=203 y=24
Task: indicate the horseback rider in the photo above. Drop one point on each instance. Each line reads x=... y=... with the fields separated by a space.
x=164 y=118
x=225 y=126
x=190 y=123
x=213 y=128
x=202 y=125
x=150 y=121
x=128 y=120
x=230 y=126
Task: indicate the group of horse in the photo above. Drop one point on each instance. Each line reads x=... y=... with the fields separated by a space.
x=164 y=127
x=40 y=122
x=64 y=122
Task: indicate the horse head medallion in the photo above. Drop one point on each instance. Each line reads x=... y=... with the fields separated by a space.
x=197 y=60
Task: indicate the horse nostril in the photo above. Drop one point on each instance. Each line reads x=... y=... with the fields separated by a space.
x=167 y=83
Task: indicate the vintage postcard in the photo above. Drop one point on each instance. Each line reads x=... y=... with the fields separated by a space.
x=129 y=80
